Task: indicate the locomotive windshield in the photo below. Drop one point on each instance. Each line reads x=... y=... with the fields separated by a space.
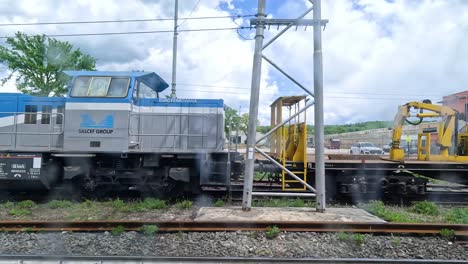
x=86 y=86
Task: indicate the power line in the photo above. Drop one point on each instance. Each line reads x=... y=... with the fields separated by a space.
x=131 y=32
x=190 y=14
x=330 y=92
x=116 y=21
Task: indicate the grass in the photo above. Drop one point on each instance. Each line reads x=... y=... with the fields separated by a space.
x=219 y=203
x=117 y=230
x=457 y=216
x=186 y=204
x=359 y=239
x=283 y=203
x=342 y=236
x=152 y=204
x=448 y=234
x=149 y=229
x=425 y=208
x=59 y=204
x=272 y=232
x=378 y=208
x=19 y=212
x=396 y=241
x=26 y=204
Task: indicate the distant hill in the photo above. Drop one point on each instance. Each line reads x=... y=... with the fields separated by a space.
x=336 y=129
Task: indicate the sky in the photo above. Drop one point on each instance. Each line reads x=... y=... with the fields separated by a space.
x=377 y=54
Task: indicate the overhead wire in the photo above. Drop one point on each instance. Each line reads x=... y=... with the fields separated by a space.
x=117 y=21
x=190 y=14
x=130 y=32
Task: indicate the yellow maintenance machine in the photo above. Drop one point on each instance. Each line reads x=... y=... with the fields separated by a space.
x=289 y=143
x=452 y=145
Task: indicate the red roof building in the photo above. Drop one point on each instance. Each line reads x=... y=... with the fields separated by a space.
x=457 y=101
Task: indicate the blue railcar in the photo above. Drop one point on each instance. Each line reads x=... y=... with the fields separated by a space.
x=111 y=131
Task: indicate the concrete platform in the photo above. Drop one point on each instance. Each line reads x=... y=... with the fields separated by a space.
x=285 y=214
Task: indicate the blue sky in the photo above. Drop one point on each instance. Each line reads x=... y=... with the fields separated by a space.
x=377 y=54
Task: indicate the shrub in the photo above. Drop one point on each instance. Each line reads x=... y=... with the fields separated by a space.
x=426 y=208
x=457 y=216
x=55 y=204
x=272 y=232
x=219 y=203
x=149 y=229
x=117 y=230
x=26 y=204
x=152 y=203
x=186 y=204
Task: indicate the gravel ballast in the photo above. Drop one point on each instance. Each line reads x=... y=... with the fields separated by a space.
x=232 y=244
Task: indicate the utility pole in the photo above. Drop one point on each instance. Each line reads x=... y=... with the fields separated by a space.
x=318 y=113
x=174 y=51
x=253 y=112
x=260 y=23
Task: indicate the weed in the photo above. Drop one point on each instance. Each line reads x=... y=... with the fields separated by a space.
x=152 y=203
x=180 y=235
x=117 y=230
x=28 y=229
x=149 y=229
x=342 y=236
x=8 y=205
x=55 y=204
x=359 y=239
x=457 y=216
x=88 y=204
x=396 y=241
x=19 y=212
x=426 y=208
x=448 y=234
x=119 y=205
x=378 y=208
x=272 y=232
x=186 y=204
x=219 y=203
x=297 y=203
x=26 y=204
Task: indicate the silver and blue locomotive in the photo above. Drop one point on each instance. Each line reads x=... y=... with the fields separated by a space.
x=112 y=132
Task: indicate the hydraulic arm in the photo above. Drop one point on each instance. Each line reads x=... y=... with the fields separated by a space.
x=445 y=130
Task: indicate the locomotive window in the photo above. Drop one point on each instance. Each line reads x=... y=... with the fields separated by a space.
x=99 y=87
x=145 y=92
x=31 y=114
x=60 y=111
x=118 y=87
x=80 y=87
x=86 y=86
x=46 y=112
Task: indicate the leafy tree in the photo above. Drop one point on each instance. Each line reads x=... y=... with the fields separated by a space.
x=40 y=61
x=231 y=116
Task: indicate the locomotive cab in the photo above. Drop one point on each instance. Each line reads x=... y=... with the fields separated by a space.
x=98 y=108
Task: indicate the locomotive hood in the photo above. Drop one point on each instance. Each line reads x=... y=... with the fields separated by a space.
x=151 y=79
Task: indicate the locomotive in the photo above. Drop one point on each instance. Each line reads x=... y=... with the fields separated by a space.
x=112 y=131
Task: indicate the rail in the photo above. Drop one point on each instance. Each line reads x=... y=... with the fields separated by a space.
x=461 y=230
x=62 y=259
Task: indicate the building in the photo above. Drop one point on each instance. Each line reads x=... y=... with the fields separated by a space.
x=459 y=102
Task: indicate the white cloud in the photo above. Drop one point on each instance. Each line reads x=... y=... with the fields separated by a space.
x=391 y=52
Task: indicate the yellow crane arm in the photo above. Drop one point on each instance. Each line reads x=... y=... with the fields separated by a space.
x=445 y=129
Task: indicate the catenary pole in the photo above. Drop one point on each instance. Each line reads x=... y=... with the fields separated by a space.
x=318 y=96
x=253 y=110
x=174 y=50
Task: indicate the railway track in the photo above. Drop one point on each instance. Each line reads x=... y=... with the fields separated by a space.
x=461 y=230
x=57 y=259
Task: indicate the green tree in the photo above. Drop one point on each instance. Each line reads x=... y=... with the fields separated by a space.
x=39 y=62
x=231 y=116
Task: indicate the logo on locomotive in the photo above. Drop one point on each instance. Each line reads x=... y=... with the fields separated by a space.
x=91 y=126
